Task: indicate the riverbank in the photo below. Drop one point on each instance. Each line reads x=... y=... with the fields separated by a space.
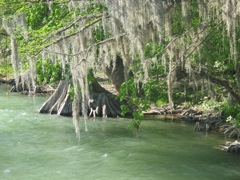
x=206 y=118
x=46 y=89
x=36 y=146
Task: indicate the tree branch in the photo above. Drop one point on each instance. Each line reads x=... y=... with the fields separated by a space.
x=96 y=44
x=67 y=27
x=68 y=36
x=3 y=34
x=194 y=48
x=73 y=23
x=223 y=83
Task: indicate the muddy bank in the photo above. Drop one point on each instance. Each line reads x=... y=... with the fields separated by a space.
x=203 y=120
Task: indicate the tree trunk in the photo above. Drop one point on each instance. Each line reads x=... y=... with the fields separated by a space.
x=102 y=103
x=116 y=73
x=57 y=100
x=26 y=84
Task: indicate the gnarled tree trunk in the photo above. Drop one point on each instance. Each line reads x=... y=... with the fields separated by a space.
x=115 y=73
x=58 y=99
x=101 y=101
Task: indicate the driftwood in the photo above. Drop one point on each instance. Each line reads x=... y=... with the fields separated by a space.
x=164 y=110
x=232 y=132
x=231 y=147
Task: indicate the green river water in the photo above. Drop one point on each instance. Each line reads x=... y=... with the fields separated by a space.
x=40 y=146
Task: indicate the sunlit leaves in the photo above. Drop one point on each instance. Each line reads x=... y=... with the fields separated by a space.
x=48 y=72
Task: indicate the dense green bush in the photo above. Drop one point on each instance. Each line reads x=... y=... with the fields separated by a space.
x=230 y=109
x=6 y=69
x=48 y=72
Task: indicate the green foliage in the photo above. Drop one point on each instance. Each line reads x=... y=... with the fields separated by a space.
x=9 y=7
x=162 y=101
x=99 y=34
x=42 y=20
x=6 y=69
x=90 y=78
x=136 y=103
x=214 y=52
x=234 y=121
x=94 y=8
x=209 y=105
x=232 y=112
x=139 y=100
x=140 y=95
x=37 y=16
x=153 y=49
x=155 y=87
x=71 y=92
x=48 y=72
x=136 y=121
x=230 y=109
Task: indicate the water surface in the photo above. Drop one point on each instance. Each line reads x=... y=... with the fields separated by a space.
x=41 y=146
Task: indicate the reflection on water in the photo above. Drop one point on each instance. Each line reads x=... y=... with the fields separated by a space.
x=40 y=146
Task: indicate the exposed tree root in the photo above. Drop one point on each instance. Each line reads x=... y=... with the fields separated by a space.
x=101 y=102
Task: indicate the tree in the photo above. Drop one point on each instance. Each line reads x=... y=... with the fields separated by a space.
x=164 y=39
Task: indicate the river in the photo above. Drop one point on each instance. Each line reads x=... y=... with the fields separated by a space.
x=40 y=146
